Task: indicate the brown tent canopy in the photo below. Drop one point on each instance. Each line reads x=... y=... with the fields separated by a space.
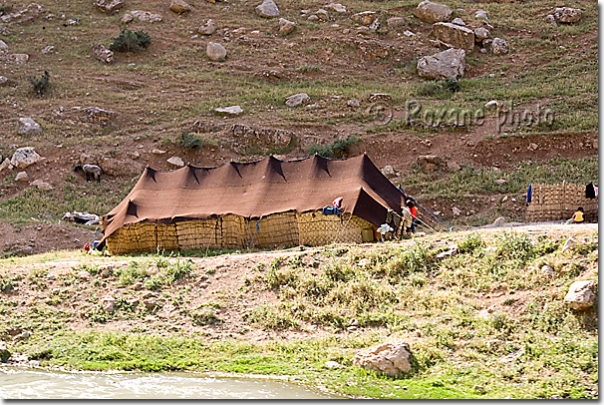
x=256 y=190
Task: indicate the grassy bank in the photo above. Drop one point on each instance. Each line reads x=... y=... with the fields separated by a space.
x=484 y=322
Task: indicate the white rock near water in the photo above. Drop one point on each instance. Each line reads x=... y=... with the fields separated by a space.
x=391 y=358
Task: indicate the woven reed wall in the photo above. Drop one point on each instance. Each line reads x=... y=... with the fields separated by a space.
x=552 y=202
x=234 y=232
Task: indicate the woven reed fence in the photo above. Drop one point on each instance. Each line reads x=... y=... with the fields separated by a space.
x=235 y=232
x=551 y=202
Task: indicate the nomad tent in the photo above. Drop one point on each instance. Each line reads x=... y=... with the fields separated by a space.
x=267 y=203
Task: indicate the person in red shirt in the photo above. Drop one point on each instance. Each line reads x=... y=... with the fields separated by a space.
x=413 y=210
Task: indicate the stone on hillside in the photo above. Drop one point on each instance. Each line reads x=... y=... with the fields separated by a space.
x=455 y=35
x=313 y=17
x=22 y=177
x=550 y=19
x=547 y=270
x=233 y=110
x=24 y=157
x=28 y=126
x=48 y=49
x=216 y=52
x=127 y=18
x=26 y=15
x=569 y=244
x=3 y=46
x=374 y=97
x=428 y=163
x=97 y=115
x=395 y=22
x=268 y=9
x=158 y=152
x=179 y=6
x=145 y=16
x=108 y=304
x=499 y=221
x=176 y=161
x=42 y=185
x=4 y=352
x=297 y=99
x=390 y=358
x=3 y=81
x=6 y=164
x=364 y=18
x=18 y=58
x=120 y=167
x=431 y=13
x=447 y=64
x=481 y=34
x=375 y=25
x=458 y=21
x=388 y=171
x=337 y=7
x=567 y=14
x=581 y=295
x=499 y=46
x=481 y=15
x=286 y=26
x=102 y=54
x=208 y=28
x=353 y=103
x=322 y=14
x=109 y=6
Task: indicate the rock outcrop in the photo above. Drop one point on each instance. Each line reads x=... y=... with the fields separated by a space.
x=455 y=35
x=390 y=358
x=447 y=64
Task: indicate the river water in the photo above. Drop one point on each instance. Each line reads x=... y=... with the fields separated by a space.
x=37 y=384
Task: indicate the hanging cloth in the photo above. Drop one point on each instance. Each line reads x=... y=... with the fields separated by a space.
x=529 y=193
x=589 y=191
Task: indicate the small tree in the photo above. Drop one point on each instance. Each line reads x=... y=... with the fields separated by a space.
x=129 y=41
x=39 y=85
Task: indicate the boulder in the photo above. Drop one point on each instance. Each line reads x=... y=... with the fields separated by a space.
x=97 y=115
x=119 y=167
x=354 y=103
x=297 y=99
x=581 y=295
x=179 y=6
x=208 y=28
x=268 y=9
x=286 y=26
x=145 y=16
x=3 y=46
x=24 y=16
x=108 y=304
x=322 y=14
x=431 y=13
x=42 y=185
x=233 y=110
x=550 y=19
x=499 y=46
x=6 y=164
x=481 y=15
x=388 y=171
x=395 y=22
x=4 y=352
x=447 y=64
x=127 y=18
x=24 y=157
x=390 y=358
x=567 y=14
x=337 y=7
x=569 y=244
x=109 y=6
x=364 y=18
x=28 y=126
x=216 y=52
x=313 y=17
x=102 y=54
x=458 y=21
x=455 y=35
x=176 y=161
x=3 y=81
x=547 y=270
x=18 y=58
x=22 y=177
x=481 y=34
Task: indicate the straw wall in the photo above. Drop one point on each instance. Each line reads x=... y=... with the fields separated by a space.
x=559 y=201
x=234 y=232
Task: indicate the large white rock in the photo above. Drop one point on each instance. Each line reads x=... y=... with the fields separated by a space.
x=444 y=65
x=567 y=14
x=216 y=52
x=22 y=177
x=297 y=99
x=431 y=13
x=176 y=161
x=456 y=35
x=28 y=126
x=581 y=295
x=268 y=9
x=24 y=157
x=391 y=358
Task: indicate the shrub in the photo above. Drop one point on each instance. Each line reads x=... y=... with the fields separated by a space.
x=189 y=141
x=470 y=243
x=39 y=85
x=339 y=148
x=129 y=41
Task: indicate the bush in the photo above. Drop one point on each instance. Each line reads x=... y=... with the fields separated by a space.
x=339 y=148
x=129 y=41
x=189 y=141
x=470 y=243
x=39 y=85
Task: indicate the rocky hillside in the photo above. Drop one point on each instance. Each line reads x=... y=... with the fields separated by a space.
x=207 y=82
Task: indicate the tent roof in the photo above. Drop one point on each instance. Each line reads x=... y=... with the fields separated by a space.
x=258 y=189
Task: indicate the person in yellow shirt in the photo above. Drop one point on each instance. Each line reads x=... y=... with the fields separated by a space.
x=578 y=217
